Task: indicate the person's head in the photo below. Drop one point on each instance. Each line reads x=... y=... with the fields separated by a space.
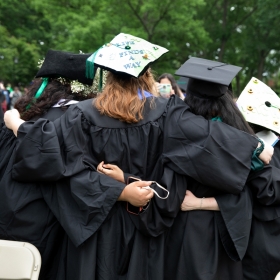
x=60 y=73
x=223 y=107
x=120 y=96
x=30 y=107
x=209 y=91
x=130 y=80
x=167 y=78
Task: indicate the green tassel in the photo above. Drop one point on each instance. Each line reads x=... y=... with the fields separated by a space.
x=100 y=80
x=90 y=66
x=40 y=90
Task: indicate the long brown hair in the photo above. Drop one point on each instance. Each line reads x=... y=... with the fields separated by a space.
x=119 y=98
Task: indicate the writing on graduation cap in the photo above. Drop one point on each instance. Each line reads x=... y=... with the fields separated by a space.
x=132 y=65
x=122 y=54
x=126 y=43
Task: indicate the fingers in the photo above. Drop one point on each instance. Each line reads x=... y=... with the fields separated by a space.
x=137 y=195
x=266 y=154
x=110 y=166
x=142 y=184
x=189 y=194
x=100 y=167
x=149 y=197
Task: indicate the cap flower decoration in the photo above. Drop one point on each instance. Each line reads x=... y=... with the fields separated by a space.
x=69 y=67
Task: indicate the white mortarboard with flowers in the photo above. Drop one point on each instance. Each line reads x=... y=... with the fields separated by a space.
x=260 y=105
x=125 y=54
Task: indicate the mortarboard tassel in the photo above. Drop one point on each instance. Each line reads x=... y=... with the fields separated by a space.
x=100 y=80
x=90 y=66
x=40 y=90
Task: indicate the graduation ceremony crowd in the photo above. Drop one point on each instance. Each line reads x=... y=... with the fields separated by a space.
x=116 y=175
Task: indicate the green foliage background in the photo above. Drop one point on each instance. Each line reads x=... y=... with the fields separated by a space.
x=239 y=32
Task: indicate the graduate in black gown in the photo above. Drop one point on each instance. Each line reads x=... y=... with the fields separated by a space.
x=126 y=126
x=207 y=244
x=2 y=99
x=223 y=235
x=262 y=259
x=25 y=215
x=210 y=244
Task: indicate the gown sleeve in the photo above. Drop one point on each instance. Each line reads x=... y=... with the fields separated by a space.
x=52 y=150
x=82 y=202
x=7 y=144
x=235 y=226
x=213 y=153
x=160 y=213
x=265 y=185
x=79 y=196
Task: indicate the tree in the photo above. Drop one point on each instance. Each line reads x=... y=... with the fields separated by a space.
x=22 y=32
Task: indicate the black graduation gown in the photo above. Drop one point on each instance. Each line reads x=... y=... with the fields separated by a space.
x=25 y=216
x=1 y=114
x=2 y=99
x=209 y=245
x=224 y=235
x=262 y=259
x=126 y=246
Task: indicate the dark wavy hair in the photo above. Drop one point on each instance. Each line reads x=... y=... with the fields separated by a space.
x=172 y=80
x=53 y=92
x=224 y=107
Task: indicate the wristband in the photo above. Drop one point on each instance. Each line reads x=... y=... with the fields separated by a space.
x=201 y=203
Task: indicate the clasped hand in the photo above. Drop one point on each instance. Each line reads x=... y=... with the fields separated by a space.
x=134 y=193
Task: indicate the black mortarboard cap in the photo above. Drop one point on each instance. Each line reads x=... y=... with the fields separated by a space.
x=67 y=65
x=207 y=78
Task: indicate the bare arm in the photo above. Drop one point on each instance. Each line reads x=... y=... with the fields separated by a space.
x=191 y=202
x=12 y=120
x=134 y=193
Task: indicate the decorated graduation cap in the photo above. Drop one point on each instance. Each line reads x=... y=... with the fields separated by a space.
x=66 y=65
x=125 y=54
x=260 y=105
x=207 y=78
